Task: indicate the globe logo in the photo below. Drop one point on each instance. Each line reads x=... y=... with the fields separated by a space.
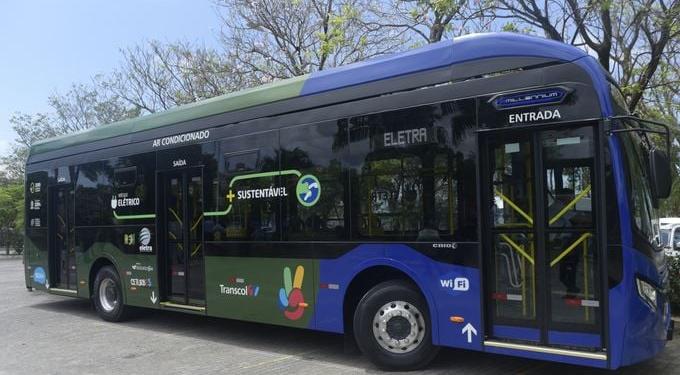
x=308 y=190
x=144 y=236
x=39 y=276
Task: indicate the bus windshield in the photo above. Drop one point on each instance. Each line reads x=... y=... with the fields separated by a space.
x=636 y=148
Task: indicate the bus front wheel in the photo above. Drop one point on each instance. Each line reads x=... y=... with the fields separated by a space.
x=392 y=327
x=108 y=295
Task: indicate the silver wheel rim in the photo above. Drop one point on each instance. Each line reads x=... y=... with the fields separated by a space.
x=399 y=327
x=108 y=295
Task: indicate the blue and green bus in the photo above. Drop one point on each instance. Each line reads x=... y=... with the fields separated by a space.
x=489 y=193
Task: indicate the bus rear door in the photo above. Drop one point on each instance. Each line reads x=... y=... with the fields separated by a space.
x=182 y=221
x=62 y=255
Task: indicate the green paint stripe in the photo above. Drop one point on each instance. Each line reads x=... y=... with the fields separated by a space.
x=133 y=217
x=264 y=174
x=218 y=213
x=269 y=93
x=248 y=177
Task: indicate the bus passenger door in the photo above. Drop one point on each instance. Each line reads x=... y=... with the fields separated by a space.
x=542 y=265
x=182 y=256
x=62 y=255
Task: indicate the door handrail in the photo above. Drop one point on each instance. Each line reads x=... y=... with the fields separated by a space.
x=515 y=207
x=570 y=205
x=198 y=221
x=518 y=248
x=570 y=248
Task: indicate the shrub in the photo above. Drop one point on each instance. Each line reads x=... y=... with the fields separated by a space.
x=18 y=243
x=674 y=269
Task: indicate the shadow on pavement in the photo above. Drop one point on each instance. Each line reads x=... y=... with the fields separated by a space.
x=327 y=347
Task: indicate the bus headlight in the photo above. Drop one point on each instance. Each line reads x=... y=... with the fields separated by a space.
x=647 y=292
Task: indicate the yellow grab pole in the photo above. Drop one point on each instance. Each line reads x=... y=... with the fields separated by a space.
x=517 y=248
x=524 y=288
x=571 y=247
x=533 y=281
x=515 y=207
x=585 y=277
x=570 y=205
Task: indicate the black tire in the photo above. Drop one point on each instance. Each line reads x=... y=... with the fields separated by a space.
x=111 y=309
x=420 y=351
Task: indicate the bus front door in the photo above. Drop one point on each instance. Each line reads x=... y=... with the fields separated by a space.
x=542 y=265
x=182 y=207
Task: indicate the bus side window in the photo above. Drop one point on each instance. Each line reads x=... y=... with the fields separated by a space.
x=241 y=161
x=125 y=177
x=314 y=207
x=409 y=182
x=247 y=193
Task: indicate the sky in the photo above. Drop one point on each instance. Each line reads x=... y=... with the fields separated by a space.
x=46 y=46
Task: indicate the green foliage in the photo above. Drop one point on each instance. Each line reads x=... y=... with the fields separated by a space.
x=335 y=37
x=12 y=214
x=669 y=207
x=510 y=27
x=11 y=205
x=444 y=6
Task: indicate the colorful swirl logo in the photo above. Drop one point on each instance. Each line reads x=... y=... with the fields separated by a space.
x=291 y=299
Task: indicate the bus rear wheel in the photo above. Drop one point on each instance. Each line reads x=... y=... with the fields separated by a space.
x=392 y=327
x=107 y=295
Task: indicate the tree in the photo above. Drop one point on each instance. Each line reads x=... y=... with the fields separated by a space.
x=662 y=100
x=84 y=107
x=629 y=38
x=430 y=21
x=157 y=76
x=80 y=108
x=273 y=39
x=153 y=77
x=11 y=214
x=29 y=129
x=13 y=164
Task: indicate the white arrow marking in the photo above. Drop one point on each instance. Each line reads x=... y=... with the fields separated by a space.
x=154 y=299
x=470 y=330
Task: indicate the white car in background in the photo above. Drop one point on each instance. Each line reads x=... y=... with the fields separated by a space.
x=670 y=235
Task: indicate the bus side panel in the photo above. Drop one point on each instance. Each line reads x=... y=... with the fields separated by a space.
x=636 y=333
x=618 y=316
x=451 y=290
x=621 y=294
x=268 y=290
x=645 y=334
x=36 y=235
x=35 y=259
x=137 y=272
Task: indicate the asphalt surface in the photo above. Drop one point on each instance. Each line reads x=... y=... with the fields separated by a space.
x=45 y=334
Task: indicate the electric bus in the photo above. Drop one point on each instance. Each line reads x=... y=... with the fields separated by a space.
x=488 y=193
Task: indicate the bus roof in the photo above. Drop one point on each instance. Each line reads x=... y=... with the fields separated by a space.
x=433 y=56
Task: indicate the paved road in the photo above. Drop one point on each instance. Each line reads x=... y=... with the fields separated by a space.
x=44 y=334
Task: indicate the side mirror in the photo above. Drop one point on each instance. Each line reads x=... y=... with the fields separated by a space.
x=660 y=174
